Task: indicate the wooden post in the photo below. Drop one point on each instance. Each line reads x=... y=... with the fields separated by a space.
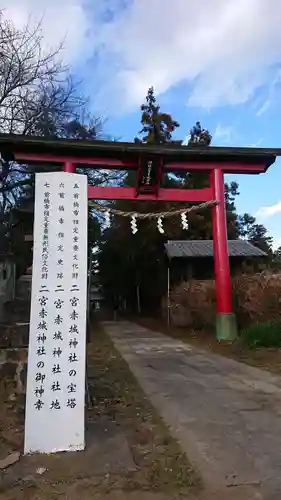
x=168 y=295
x=138 y=298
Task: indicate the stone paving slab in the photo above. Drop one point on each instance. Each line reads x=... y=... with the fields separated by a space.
x=226 y=415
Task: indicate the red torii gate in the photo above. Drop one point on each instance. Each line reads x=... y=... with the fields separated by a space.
x=151 y=161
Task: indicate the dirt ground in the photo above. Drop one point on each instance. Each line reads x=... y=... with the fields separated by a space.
x=264 y=358
x=129 y=455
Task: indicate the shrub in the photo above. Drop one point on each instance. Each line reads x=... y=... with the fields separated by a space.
x=263 y=335
x=193 y=303
x=256 y=299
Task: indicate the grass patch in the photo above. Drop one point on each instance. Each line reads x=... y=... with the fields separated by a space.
x=262 y=335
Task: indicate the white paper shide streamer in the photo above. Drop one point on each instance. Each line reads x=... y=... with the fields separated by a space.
x=160 y=225
x=134 y=226
x=184 y=221
x=107 y=219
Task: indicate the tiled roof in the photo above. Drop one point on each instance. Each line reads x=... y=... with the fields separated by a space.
x=204 y=248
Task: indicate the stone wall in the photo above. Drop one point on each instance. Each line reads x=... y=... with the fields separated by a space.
x=13 y=368
x=7 y=284
x=14 y=327
x=14 y=334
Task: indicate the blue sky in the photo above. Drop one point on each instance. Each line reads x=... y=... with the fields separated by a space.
x=217 y=61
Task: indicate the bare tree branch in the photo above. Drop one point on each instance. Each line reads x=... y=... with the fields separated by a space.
x=24 y=67
x=38 y=96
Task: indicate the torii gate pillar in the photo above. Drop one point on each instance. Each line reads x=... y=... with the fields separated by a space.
x=69 y=167
x=226 y=327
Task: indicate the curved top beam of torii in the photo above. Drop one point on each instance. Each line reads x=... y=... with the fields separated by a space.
x=114 y=154
x=149 y=160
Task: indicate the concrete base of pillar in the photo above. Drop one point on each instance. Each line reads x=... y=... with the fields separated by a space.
x=226 y=327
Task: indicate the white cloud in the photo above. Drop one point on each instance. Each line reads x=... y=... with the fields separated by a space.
x=222 y=50
x=276 y=243
x=223 y=134
x=271 y=94
x=257 y=144
x=62 y=20
x=264 y=107
x=269 y=211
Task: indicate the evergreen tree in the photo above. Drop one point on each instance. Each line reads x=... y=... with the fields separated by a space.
x=199 y=136
x=255 y=233
x=276 y=260
x=157 y=127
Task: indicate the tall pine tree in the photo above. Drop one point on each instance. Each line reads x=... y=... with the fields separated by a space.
x=157 y=127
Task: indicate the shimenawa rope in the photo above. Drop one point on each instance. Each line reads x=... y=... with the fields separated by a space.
x=153 y=215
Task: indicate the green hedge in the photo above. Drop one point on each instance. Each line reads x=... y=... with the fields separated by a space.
x=263 y=335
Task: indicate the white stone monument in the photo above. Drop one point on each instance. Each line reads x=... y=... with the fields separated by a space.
x=55 y=399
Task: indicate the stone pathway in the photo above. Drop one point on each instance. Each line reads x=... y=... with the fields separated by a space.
x=226 y=415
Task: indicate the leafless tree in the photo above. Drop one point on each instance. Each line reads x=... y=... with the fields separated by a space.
x=26 y=71
x=38 y=96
